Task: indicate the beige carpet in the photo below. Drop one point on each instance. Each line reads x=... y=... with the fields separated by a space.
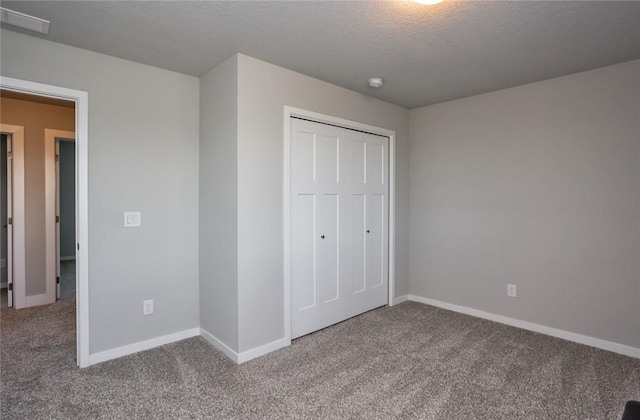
x=411 y=361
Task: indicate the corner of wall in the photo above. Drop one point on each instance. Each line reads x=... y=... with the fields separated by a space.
x=218 y=271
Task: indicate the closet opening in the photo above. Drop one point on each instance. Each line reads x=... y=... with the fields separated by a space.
x=339 y=230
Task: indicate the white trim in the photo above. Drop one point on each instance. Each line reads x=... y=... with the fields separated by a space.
x=392 y=218
x=103 y=356
x=82 y=199
x=526 y=325
x=82 y=226
x=286 y=222
x=49 y=217
x=400 y=299
x=18 y=248
x=245 y=356
x=322 y=118
x=215 y=342
x=41 y=299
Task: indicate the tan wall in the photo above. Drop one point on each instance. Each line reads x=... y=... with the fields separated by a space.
x=35 y=117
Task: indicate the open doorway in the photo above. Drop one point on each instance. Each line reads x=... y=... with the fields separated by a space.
x=12 y=249
x=35 y=293
x=37 y=212
x=65 y=238
x=5 y=273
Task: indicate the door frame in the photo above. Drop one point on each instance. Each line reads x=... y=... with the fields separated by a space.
x=52 y=191
x=81 y=98
x=17 y=265
x=341 y=122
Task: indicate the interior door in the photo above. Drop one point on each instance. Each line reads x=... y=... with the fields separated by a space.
x=318 y=214
x=9 y=221
x=57 y=160
x=367 y=175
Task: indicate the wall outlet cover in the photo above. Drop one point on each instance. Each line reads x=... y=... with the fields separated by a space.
x=147 y=307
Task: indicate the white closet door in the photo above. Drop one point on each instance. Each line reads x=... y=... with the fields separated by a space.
x=339 y=226
x=367 y=162
x=317 y=210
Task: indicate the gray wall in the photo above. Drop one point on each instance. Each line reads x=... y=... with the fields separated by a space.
x=263 y=91
x=539 y=186
x=218 y=203
x=536 y=185
x=143 y=155
x=67 y=199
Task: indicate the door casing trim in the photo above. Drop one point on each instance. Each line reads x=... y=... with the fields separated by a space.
x=81 y=98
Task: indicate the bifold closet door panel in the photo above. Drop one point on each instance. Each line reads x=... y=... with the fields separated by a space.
x=357 y=226
x=378 y=219
x=317 y=210
x=367 y=187
x=305 y=312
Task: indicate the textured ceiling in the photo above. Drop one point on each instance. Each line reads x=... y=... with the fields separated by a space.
x=426 y=54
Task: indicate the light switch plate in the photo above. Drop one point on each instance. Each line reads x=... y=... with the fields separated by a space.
x=132 y=219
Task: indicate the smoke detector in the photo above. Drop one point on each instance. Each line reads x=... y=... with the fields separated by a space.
x=375 y=82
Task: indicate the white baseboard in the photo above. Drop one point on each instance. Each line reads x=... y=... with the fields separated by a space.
x=400 y=299
x=69 y=258
x=37 y=300
x=213 y=340
x=245 y=356
x=103 y=356
x=283 y=342
x=526 y=325
x=238 y=358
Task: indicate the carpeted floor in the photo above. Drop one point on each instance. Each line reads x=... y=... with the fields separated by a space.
x=411 y=361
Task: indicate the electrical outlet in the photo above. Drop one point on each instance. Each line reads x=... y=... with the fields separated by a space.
x=132 y=219
x=147 y=307
x=511 y=290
